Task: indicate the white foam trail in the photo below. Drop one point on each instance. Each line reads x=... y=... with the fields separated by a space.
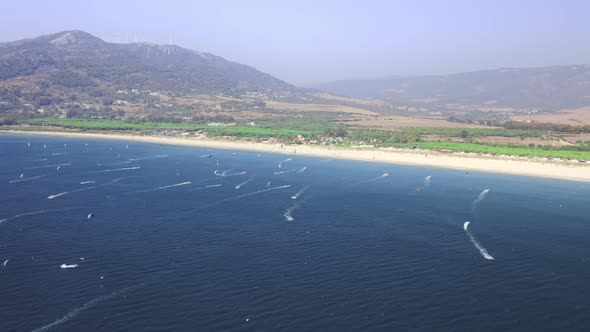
x=480 y=198
x=66 y=266
x=48 y=166
x=263 y=191
x=227 y=173
x=120 y=178
x=69 y=192
x=289 y=212
x=302 y=170
x=149 y=158
x=482 y=250
x=6 y=262
x=26 y=179
x=87 y=182
x=208 y=186
x=115 y=164
x=28 y=143
x=44 y=159
x=115 y=170
x=243 y=184
x=284 y=172
x=300 y=192
x=384 y=175
x=91 y=215
x=427 y=180
x=32 y=214
x=166 y=187
x=174 y=185
x=59 y=153
x=244 y=195
x=88 y=305
x=207 y=156
x=268 y=184
x=21 y=176
x=45 y=146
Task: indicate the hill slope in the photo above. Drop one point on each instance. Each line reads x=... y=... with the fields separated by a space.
x=74 y=59
x=555 y=87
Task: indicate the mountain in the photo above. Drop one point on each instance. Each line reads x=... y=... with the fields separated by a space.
x=76 y=59
x=555 y=87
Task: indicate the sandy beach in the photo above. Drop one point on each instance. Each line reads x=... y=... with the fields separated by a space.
x=466 y=162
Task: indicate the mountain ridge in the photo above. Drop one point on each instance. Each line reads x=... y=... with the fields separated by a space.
x=551 y=87
x=146 y=65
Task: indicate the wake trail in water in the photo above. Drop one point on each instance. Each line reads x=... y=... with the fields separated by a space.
x=284 y=161
x=261 y=191
x=384 y=175
x=289 y=212
x=243 y=183
x=284 y=172
x=478 y=200
x=115 y=164
x=34 y=213
x=149 y=158
x=482 y=250
x=227 y=173
x=268 y=184
x=88 y=305
x=70 y=192
x=116 y=170
x=302 y=169
x=26 y=179
x=87 y=182
x=427 y=181
x=300 y=192
x=229 y=199
x=48 y=166
x=208 y=186
x=166 y=187
x=174 y=185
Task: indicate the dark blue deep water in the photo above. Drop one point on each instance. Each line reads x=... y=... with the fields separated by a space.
x=364 y=252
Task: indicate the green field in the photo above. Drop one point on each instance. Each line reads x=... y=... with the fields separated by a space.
x=313 y=128
x=568 y=152
x=237 y=130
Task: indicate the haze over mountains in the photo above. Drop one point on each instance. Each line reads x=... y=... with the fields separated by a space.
x=76 y=70
x=554 y=87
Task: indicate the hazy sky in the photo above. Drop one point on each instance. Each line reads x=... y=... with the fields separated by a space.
x=304 y=41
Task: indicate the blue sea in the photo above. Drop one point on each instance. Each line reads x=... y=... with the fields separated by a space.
x=105 y=235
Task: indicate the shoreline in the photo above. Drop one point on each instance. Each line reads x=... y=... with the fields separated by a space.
x=430 y=159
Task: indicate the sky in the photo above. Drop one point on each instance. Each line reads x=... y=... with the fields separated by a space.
x=306 y=42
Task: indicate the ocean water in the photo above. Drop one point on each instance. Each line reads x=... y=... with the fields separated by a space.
x=173 y=245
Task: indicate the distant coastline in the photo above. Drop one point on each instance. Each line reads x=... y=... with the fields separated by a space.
x=490 y=164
